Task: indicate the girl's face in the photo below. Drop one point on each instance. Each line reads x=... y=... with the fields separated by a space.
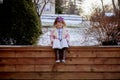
x=59 y=25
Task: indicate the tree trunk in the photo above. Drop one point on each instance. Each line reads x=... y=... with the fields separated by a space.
x=45 y=3
x=114 y=7
x=119 y=4
x=58 y=6
x=103 y=7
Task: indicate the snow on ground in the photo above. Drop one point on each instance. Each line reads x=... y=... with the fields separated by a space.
x=71 y=20
x=109 y=14
x=77 y=37
x=75 y=25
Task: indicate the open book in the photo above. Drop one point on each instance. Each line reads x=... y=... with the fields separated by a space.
x=60 y=44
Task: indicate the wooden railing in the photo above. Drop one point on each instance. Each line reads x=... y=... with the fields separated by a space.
x=38 y=63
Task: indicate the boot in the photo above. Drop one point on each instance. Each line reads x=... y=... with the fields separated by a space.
x=57 y=55
x=63 y=55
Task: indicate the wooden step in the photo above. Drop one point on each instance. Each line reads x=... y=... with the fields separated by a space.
x=38 y=63
x=59 y=76
x=50 y=61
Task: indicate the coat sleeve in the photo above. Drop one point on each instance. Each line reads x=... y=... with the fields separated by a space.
x=52 y=37
x=67 y=36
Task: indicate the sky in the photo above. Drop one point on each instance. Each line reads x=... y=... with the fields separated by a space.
x=88 y=5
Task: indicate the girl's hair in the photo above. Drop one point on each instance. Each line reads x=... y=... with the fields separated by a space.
x=60 y=19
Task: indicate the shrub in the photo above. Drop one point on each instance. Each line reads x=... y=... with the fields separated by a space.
x=21 y=24
x=106 y=29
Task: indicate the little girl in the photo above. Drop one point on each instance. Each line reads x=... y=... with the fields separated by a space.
x=59 y=39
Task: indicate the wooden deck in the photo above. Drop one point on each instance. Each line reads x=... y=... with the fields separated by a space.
x=38 y=63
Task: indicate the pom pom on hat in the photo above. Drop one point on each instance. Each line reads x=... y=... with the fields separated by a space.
x=60 y=18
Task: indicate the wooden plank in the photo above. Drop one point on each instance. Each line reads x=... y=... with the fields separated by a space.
x=8 y=61
x=95 y=48
x=7 y=68
x=77 y=52
x=69 y=54
x=51 y=54
x=80 y=61
x=83 y=60
x=7 y=54
x=27 y=61
x=72 y=48
x=107 y=54
x=25 y=54
x=51 y=61
x=25 y=48
x=59 y=76
x=60 y=67
x=80 y=54
x=93 y=54
x=78 y=68
x=105 y=60
x=27 y=68
x=35 y=54
x=92 y=60
x=45 y=54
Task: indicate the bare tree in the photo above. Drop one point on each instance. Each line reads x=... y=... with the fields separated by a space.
x=119 y=4
x=105 y=29
x=114 y=6
x=40 y=5
x=103 y=6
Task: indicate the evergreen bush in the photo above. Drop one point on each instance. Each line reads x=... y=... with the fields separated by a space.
x=20 y=23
